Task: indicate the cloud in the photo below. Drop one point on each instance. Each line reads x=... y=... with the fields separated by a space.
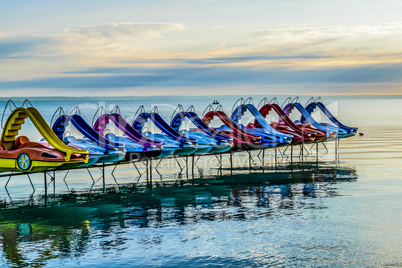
x=84 y=40
x=29 y=45
x=114 y=30
x=329 y=33
x=114 y=78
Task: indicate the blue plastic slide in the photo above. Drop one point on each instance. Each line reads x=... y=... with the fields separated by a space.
x=112 y=151
x=266 y=127
x=169 y=135
x=329 y=130
x=197 y=121
x=204 y=134
x=311 y=107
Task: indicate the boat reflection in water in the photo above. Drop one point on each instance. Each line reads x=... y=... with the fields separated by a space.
x=70 y=226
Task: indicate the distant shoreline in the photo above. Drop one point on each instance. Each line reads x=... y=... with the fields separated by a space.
x=192 y=97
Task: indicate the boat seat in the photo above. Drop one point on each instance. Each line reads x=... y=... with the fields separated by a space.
x=20 y=141
x=111 y=137
x=69 y=139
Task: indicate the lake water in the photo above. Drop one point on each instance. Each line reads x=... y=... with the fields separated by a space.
x=306 y=212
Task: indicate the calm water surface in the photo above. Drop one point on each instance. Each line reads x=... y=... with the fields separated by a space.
x=319 y=213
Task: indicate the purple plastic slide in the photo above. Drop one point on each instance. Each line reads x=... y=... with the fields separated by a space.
x=102 y=122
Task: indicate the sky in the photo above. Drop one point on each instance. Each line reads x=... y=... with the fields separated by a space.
x=209 y=47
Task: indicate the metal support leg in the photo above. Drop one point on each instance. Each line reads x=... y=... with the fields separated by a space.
x=187 y=165
x=90 y=175
x=178 y=163
x=150 y=170
x=146 y=161
x=323 y=144
x=7 y=182
x=192 y=166
x=64 y=179
x=249 y=159
x=112 y=173
x=29 y=178
x=220 y=157
x=103 y=177
x=301 y=152
x=276 y=156
x=45 y=181
x=291 y=154
x=54 y=184
x=336 y=149
x=231 y=162
x=156 y=168
x=263 y=158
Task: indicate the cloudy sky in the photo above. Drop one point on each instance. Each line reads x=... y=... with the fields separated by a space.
x=157 y=47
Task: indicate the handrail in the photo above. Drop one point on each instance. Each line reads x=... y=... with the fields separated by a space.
x=191 y=109
x=9 y=102
x=296 y=99
x=26 y=102
x=117 y=108
x=209 y=108
x=219 y=108
x=61 y=112
x=274 y=100
x=234 y=105
x=101 y=108
x=250 y=100
x=319 y=99
x=155 y=109
x=263 y=101
x=289 y=99
x=309 y=100
x=140 y=110
x=180 y=108
x=77 y=110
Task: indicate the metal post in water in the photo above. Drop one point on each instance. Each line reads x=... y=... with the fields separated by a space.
x=192 y=167
x=103 y=176
x=263 y=157
x=54 y=184
x=276 y=156
x=302 y=151
x=187 y=166
x=147 y=169
x=291 y=154
x=336 y=149
x=150 y=170
x=45 y=179
x=231 y=162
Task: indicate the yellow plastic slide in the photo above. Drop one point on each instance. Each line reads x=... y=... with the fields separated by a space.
x=17 y=118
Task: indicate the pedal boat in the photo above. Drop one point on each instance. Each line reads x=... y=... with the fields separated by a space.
x=20 y=154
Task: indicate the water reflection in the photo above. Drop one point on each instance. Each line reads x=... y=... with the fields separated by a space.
x=68 y=226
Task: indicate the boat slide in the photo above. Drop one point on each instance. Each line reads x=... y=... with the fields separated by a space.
x=169 y=136
x=310 y=107
x=331 y=132
x=112 y=151
x=202 y=133
x=239 y=135
x=266 y=128
x=134 y=141
x=286 y=125
x=18 y=153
